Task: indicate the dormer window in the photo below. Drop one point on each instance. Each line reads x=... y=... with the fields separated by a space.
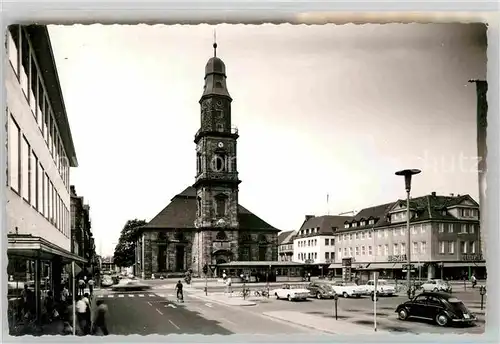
x=354 y=224
x=363 y=223
x=371 y=222
x=346 y=225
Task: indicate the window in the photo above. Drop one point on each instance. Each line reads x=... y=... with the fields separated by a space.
x=39 y=186
x=198 y=205
x=394 y=231
x=24 y=66
x=14 y=155
x=357 y=236
x=363 y=250
x=221 y=235
x=315 y=255
x=46 y=118
x=46 y=195
x=463 y=247
x=379 y=234
x=441 y=228
x=369 y=235
x=357 y=250
x=12 y=48
x=25 y=169
x=371 y=222
x=340 y=238
x=362 y=235
x=386 y=250
x=332 y=242
x=370 y=251
x=327 y=255
x=363 y=223
x=472 y=247
x=220 y=202
x=395 y=249
x=34 y=180
x=415 y=248
x=403 y=231
x=423 y=247
x=346 y=225
x=386 y=233
x=379 y=250
x=464 y=229
x=327 y=242
x=345 y=251
x=403 y=248
x=340 y=253
x=350 y=236
x=451 y=247
x=441 y=247
x=471 y=229
x=450 y=228
x=350 y=251
x=413 y=230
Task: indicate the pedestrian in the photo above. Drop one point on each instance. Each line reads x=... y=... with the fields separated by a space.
x=178 y=287
x=473 y=280
x=88 y=314
x=81 y=316
x=308 y=277
x=91 y=287
x=224 y=276
x=81 y=286
x=99 y=325
x=228 y=286
x=64 y=294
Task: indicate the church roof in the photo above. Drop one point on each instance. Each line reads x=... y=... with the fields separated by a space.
x=181 y=213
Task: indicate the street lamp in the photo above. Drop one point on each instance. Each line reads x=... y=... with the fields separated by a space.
x=408 y=174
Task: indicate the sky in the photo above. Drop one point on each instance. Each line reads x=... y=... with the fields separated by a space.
x=321 y=110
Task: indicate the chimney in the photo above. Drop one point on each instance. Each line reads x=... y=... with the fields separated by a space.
x=433 y=193
x=308 y=217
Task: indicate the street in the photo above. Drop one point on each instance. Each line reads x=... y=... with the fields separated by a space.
x=157 y=312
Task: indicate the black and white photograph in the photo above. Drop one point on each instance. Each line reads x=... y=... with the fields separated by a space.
x=246 y=179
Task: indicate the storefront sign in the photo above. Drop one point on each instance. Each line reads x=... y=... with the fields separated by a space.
x=397 y=258
x=472 y=257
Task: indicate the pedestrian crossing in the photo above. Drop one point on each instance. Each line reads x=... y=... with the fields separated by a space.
x=147 y=295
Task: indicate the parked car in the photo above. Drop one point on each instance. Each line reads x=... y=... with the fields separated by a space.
x=383 y=288
x=321 y=290
x=436 y=285
x=349 y=289
x=440 y=307
x=131 y=285
x=290 y=293
x=107 y=281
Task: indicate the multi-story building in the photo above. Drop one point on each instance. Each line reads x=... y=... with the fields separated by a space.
x=285 y=246
x=40 y=154
x=82 y=240
x=444 y=232
x=314 y=243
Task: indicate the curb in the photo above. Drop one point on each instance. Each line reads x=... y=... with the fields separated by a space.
x=250 y=303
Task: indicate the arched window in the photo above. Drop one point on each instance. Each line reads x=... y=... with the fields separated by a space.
x=262 y=239
x=220 y=205
x=198 y=205
x=221 y=235
x=198 y=163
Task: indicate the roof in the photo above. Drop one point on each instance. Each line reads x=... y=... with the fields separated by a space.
x=427 y=207
x=285 y=237
x=181 y=214
x=325 y=223
x=40 y=40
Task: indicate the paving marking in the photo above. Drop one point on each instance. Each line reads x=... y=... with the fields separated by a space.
x=161 y=295
x=171 y=305
x=159 y=311
x=170 y=295
x=208 y=305
x=149 y=303
x=111 y=296
x=141 y=295
x=99 y=296
x=131 y=295
x=121 y=295
x=177 y=327
x=151 y=295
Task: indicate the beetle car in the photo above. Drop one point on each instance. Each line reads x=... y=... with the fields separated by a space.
x=321 y=290
x=349 y=289
x=436 y=285
x=440 y=307
x=290 y=293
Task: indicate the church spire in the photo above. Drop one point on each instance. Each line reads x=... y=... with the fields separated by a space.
x=215 y=43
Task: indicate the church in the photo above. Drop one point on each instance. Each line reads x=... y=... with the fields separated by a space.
x=205 y=224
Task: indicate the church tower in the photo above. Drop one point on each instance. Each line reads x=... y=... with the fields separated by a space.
x=216 y=183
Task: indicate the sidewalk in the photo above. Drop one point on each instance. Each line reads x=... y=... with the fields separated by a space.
x=321 y=323
x=223 y=299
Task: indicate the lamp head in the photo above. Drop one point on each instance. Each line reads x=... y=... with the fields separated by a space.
x=408 y=174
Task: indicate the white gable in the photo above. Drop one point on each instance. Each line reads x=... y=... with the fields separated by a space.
x=467 y=202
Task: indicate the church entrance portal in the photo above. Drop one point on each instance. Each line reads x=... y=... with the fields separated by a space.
x=179 y=258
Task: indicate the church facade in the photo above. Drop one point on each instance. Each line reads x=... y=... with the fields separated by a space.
x=205 y=224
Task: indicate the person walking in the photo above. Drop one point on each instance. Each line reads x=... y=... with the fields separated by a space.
x=178 y=287
x=91 y=287
x=81 y=316
x=99 y=325
x=88 y=314
x=81 y=286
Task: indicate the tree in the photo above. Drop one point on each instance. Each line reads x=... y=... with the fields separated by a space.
x=124 y=255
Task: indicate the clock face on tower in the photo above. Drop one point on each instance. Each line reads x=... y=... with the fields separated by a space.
x=220 y=145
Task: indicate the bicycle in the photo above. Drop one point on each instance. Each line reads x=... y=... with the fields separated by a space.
x=263 y=293
x=245 y=293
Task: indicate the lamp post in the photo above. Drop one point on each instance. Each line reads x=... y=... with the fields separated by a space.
x=407 y=175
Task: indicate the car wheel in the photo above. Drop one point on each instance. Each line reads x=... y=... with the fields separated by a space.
x=318 y=295
x=435 y=290
x=442 y=319
x=344 y=294
x=402 y=314
x=289 y=298
x=277 y=297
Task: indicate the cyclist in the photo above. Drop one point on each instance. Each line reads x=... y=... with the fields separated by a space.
x=178 y=287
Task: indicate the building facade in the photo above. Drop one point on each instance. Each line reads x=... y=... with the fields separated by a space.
x=444 y=231
x=40 y=154
x=82 y=239
x=314 y=243
x=205 y=224
x=285 y=246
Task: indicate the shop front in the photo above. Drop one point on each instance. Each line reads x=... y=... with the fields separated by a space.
x=36 y=269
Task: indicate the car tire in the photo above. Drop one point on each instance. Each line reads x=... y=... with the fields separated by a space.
x=277 y=297
x=402 y=314
x=289 y=298
x=318 y=295
x=442 y=319
x=345 y=295
x=435 y=290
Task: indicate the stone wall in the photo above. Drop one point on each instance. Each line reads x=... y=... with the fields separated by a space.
x=207 y=218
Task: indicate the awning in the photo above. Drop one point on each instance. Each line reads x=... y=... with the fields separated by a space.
x=463 y=264
x=38 y=248
x=335 y=266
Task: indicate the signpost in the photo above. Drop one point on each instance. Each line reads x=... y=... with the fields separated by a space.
x=336 y=299
x=482 y=291
x=375 y=297
x=73 y=277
